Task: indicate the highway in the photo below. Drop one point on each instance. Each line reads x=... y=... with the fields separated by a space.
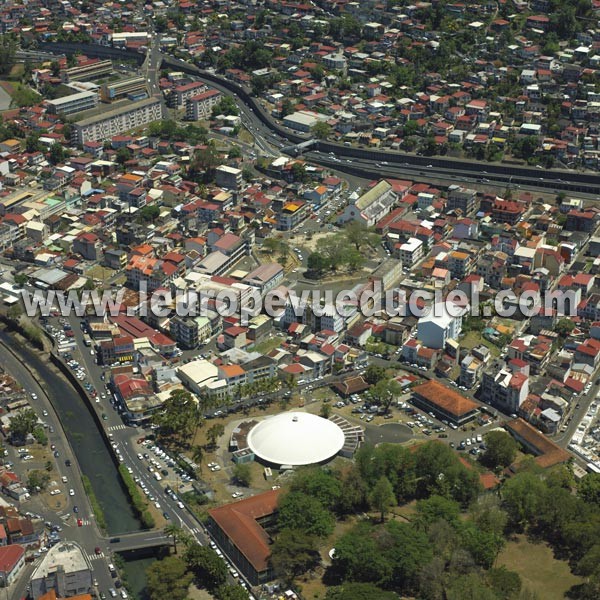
x=271 y=136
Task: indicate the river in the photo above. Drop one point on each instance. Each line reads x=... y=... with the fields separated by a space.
x=93 y=456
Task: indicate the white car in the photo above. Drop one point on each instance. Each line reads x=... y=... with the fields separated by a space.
x=64 y=479
x=71 y=492
x=54 y=492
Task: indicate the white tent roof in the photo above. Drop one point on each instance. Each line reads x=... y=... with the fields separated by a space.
x=295 y=438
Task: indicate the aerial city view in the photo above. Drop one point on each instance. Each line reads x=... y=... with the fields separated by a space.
x=300 y=300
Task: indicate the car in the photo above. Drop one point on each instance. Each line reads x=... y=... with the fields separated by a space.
x=75 y=509
x=167 y=516
x=98 y=550
x=45 y=413
x=79 y=523
x=54 y=492
x=180 y=505
x=56 y=454
x=71 y=492
x=124 y=594
x=112 y=592
x=102 y=596
x=64 y=479
x=67 y=463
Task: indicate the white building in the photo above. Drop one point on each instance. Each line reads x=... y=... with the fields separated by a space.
x=198 y=374
x=114 y=122
x=73 y=103
x=410 y=252
x=440 y=325
x=372 y=206
x=64 y=569
x=200 y=106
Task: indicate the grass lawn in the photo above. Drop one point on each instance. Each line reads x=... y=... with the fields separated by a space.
x=540 y=571
x=474 y=338
x=267 y=345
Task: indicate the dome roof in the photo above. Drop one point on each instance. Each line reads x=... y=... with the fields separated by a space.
x=295 y=438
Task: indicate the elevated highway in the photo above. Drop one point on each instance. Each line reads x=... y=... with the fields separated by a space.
x=355 y=160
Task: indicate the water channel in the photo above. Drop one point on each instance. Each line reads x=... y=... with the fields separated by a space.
x=94 y=458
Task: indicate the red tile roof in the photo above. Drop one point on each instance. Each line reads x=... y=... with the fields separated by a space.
x=239 y=521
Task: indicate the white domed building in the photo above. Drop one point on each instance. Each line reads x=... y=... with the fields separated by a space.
x=294 y=439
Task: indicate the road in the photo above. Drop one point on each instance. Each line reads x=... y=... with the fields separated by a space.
x=87 y=536
x=363 y=162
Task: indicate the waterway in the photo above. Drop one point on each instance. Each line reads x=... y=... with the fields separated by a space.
x=88 y=445
x=134 y=567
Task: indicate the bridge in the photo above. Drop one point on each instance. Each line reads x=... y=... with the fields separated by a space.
x=139 y=541
x=299 y=148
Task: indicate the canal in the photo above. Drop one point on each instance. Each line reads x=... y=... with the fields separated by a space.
x=93 y=456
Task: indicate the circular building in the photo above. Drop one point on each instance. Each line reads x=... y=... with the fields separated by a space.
x=295 y=439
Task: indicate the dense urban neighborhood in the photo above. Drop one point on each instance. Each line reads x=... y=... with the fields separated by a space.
x=300 y=300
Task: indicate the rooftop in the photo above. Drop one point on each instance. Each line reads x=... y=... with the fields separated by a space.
x=446 y=399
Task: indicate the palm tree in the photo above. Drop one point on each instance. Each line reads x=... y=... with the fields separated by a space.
x=197 y=454
x=174 y=531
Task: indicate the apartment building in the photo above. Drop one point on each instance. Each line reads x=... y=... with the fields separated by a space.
x=463 y=199
x=91 y=70
x=199 y=107
x=73 y=103
x=505 y=386
x=117 y=89
x=106 y=125
x=181 y=93
x=410 y=252
x=229 y=178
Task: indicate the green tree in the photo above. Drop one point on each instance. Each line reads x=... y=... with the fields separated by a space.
x=294 y=553
x=588 y=488
x=505 y=583
x=178 y=418
x=37 y=481
x=206 y=565
x=358 y=558
x=521 y=497
x=317 y=263
x=21 y=279
x=22 y=424
x=325 y=410
x=359 y=235
x=231 y=592
x=176 y=533
x=318 y=483
x=213 y=433
x=123 y=155
x=564 y=327
x=382 y=496
x=168 y=578
x=149 y=212
x=501 y=449
x=359 y=591
x=469 y=587
x=437 y=508
x=57 y=153
x=353 y=491
x=242 y=474
x=234 y=153
x=374 y=373
x=32 y=143
x=321 y=130
x=304 y=513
